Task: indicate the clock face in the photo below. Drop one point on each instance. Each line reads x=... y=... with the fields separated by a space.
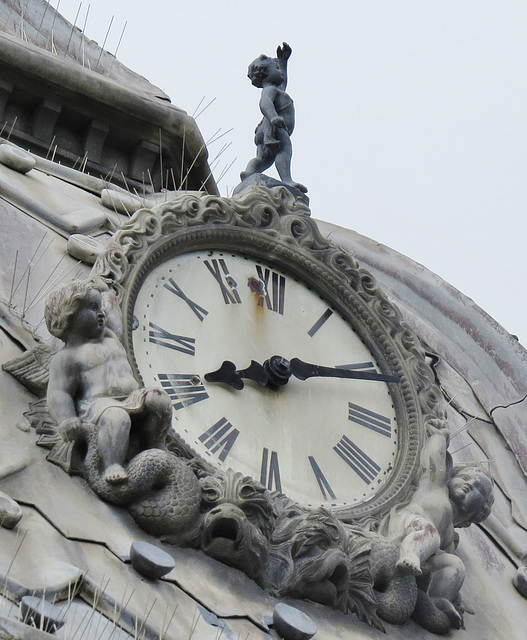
x=322 y=441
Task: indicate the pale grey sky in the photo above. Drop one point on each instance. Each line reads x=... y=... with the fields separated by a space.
x=410 y=116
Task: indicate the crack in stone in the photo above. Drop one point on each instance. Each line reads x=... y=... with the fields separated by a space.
x=511 y=404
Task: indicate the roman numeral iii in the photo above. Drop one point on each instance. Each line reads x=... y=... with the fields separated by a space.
x=369 y=419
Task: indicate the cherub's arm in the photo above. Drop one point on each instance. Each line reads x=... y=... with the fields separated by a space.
x=283 y=53
x=112 y=311
x=434 y=454
x=267 y=100
x=62 y=387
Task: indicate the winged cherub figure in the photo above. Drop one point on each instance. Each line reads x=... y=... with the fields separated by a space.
x=91 y=380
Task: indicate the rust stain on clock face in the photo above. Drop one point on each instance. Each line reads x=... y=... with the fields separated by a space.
x=259 y=291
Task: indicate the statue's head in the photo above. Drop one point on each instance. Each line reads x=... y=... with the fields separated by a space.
x=264 y=69
x=64 y=303
x=470 y=490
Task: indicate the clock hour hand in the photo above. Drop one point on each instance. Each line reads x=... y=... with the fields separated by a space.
x=228 y=374
x=304 y=370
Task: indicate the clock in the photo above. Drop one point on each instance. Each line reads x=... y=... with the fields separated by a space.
x=282 y=357
x=323 y=440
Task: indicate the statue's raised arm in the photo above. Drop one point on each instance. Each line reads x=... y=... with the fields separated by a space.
x=283 y=53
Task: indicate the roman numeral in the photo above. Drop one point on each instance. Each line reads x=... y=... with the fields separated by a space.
x=369 y=419
x=276 y=299
x=158 y=335
x=227 y=283
x=321 y=479
x=323 y=318
x=184 y=389
x=355 y=457
x=221 y=435
x=174 y=288
x=270 y=473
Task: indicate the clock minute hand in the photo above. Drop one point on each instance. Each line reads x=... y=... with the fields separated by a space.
x=304 y=370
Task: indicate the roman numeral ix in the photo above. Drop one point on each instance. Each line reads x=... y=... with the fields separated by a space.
x=183 y=389
x=160 y=336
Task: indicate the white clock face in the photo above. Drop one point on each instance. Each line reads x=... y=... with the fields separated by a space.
x=322 y=441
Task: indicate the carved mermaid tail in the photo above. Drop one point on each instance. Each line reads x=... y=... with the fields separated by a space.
x=436 y=615
x=396 y=595
x=162 y=493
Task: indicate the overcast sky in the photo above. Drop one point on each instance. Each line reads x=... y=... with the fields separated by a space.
x=410 y=116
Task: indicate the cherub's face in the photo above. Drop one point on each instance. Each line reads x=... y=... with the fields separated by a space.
x=470 y=490
x=88 y=320
x=265 y=71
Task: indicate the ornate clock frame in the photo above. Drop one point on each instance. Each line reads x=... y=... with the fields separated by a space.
x=272 y=224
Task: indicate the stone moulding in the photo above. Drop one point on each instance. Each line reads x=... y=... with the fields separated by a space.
x=271 y=224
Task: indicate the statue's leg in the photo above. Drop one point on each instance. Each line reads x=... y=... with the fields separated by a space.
x=114 y=433
x=157 y=419
x=283 y=160
x=448 y=575
x=421 y=541
x=264 y=159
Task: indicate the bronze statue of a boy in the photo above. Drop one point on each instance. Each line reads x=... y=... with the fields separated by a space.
x=272 y=135
x=91 y=380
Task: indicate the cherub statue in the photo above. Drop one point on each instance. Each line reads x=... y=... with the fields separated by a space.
x=91 y=380
x=445 y=498
x=272 y=135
